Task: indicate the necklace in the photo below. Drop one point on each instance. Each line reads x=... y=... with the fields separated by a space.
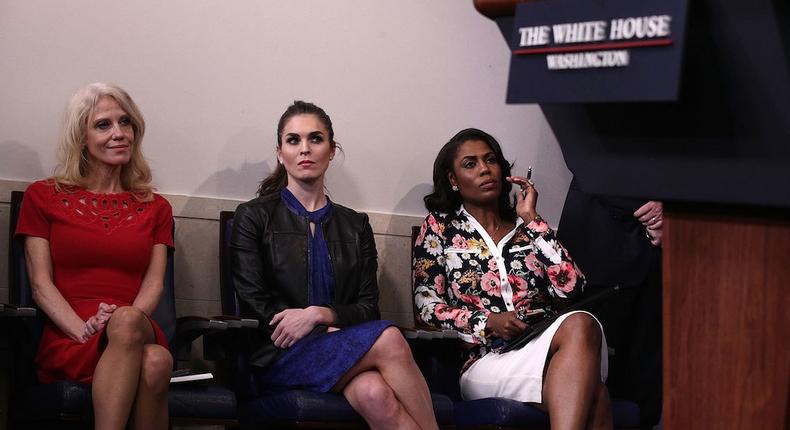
x=496 y=227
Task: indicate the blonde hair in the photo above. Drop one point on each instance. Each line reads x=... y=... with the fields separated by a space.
x=72 y=169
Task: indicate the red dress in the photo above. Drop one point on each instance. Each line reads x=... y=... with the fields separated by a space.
x=101 y=246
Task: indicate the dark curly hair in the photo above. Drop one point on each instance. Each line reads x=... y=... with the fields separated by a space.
x=278 y=179
x=443 y=198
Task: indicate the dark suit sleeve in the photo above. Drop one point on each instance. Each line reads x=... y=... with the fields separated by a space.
x=366 y=307
x=605 y=239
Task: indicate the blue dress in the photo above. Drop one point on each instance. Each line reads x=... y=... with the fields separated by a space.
x=318 y=361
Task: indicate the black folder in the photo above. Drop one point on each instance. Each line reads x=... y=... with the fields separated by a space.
x=538 y=328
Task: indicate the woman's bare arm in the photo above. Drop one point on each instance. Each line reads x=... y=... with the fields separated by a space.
x=46 y=294
x=153 y=281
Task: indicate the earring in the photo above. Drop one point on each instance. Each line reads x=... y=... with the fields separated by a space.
x=455 y=187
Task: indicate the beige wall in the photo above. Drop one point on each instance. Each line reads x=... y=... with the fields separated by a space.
x=399 y=78
x=212 y=77
x=197 y=255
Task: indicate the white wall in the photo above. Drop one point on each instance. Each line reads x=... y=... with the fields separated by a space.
x=212 y=77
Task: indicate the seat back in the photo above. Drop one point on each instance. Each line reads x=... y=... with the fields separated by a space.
x=165 y=312
x=228 y=299
x=19 y=291
x=29 y=332
x=20 y=294
x=239 y=370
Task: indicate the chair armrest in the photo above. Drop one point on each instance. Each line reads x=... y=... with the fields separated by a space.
x=7 y=310
x=237 y=322
x=195 y=326
x=189 y=328
x=232 y=322
x=228 y=344
x=428 y=333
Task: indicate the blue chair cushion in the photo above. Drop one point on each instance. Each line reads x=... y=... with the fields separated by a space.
x=443 y=408
x=296 y=405
x=60 y=397
x=625 y=414
x=184 y=400
x=498 y=411
x=306 y=406
x=201 y=401
x=512 y=413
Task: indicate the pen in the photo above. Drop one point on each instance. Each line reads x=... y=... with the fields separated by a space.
x=529 y=177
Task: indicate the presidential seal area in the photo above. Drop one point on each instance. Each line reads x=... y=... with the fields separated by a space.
x=588 y=60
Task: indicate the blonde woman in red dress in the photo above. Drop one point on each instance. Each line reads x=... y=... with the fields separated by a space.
x=96 y=239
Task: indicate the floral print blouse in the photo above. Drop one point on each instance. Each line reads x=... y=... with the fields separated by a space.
x=461 y=276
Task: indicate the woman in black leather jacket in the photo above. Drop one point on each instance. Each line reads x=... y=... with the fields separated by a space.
x=306 y=268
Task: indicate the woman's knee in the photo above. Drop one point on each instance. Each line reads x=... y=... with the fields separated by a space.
x=392 y=345
x=581 y=327
x=374 y=397
x=127 y=325
x=156 y=368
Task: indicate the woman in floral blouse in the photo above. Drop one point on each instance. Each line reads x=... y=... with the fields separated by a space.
x=489 y=271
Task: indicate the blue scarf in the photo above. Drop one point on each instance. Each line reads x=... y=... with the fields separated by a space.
x=321 y=284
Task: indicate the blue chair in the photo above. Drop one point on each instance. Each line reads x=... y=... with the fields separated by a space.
x=68 y=404
x=294 y=408
x=441 y=361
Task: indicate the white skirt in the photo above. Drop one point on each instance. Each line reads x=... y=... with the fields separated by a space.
x=518 y=374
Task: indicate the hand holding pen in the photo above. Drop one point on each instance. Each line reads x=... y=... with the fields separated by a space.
x=529 y=179
x=527 y=199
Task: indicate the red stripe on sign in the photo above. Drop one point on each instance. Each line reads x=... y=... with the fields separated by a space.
x=579 y=47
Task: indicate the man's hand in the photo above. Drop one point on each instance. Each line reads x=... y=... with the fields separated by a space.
x=651 y=215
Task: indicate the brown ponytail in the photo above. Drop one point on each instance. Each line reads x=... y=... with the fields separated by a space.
x=275 y=182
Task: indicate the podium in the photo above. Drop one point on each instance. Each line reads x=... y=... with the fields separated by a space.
x=726 y=318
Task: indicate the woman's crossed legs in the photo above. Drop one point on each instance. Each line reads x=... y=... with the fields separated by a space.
x=133 y=374
x=387 y=388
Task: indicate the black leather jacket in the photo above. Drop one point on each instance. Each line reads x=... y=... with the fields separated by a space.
x=269 y=255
